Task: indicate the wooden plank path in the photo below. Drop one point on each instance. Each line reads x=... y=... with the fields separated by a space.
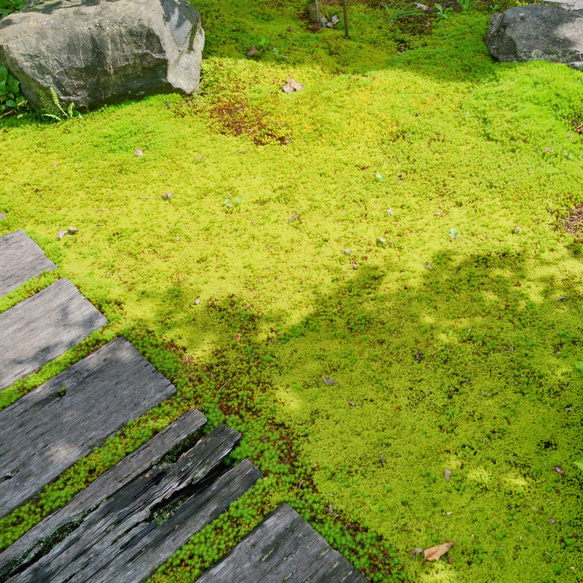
x=43 y=327
x=20 y=260
x=176 y=437
x=48 y=430
x=283 y=548
x=134 y=517
x=138 y=527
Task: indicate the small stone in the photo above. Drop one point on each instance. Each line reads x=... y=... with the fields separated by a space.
x=138 y=152
x=437 y=214
x=551 y=521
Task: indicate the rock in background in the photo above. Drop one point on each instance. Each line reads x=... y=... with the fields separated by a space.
x=94 y=52
x=535 y=32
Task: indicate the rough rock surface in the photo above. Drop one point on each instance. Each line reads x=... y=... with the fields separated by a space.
x=535 y=32
x=94 y=52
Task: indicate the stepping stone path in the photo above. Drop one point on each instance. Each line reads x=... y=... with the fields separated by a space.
x=135 y=516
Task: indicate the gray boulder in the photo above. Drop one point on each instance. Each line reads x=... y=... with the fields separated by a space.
x=536 y=32
x=94 y=52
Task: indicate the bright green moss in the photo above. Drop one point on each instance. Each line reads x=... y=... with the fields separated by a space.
x=467 y=366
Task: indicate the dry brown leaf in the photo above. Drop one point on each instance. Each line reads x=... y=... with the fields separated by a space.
x=61 y=234
x=435 y=553
x=252 y=51
x=329 y=381
x=138 y=152
x=239 y=337
x=73 y=230
x=292 y=85
x=415 y=552
x=167 y=195
x=559 y=470
x=447 y=475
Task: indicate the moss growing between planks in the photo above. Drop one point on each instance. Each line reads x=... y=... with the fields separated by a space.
x=273 y=265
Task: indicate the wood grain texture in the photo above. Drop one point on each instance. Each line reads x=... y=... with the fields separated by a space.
x=175 y=436
x=284 y=547
x=130 y=534
x=20 y=260
x=48 y=430
x=43 y=327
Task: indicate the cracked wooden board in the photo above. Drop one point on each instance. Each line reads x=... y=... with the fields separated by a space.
x=48 y=430
x=136 y=529
x=43 y=327
x=177 y=437
x=20 y=260
x=284 y=547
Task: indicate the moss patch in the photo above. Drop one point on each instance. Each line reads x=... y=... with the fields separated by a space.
x=331 y=253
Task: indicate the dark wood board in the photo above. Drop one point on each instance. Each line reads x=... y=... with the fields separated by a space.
x=48 y=430
x=177 y=435
x=284 y=547
x=20 y=260
x=135 y=530
x=43 y=327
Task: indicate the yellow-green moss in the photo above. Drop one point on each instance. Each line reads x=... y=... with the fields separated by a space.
x=455 y=352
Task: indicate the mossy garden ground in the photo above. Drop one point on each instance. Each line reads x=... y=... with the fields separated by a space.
x=308 y=235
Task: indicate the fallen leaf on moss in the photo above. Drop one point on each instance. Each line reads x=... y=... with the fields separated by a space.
x=415 y=552
x=292 y=85
x=61 y=234
x=435 y=553
x=559 y=470
x=138 y=152
x=330 y=381
x=447 y=475
x=167 y=195
x=252 y=51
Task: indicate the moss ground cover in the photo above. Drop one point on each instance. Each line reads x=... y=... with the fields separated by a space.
x=310 y=235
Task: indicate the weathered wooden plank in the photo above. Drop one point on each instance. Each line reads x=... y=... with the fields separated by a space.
x=20 y=260
x=43 y=327
x=179 y=435
x=284 y=547
x=48 y=430
x=141 y=525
